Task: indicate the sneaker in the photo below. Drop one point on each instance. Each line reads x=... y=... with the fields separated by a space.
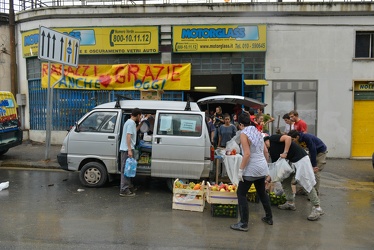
x=239 y=226
x=314 y=215
x=267 y=220
x=287 y=206
x=127 y=194
x=320 y=211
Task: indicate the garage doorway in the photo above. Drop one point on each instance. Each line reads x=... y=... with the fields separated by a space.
x=363 y=120
x=295 y=95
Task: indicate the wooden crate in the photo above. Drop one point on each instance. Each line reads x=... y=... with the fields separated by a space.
x=217 y=197
x=189 y=199
x=151 y=95
x=224 y=210
x=184 y=203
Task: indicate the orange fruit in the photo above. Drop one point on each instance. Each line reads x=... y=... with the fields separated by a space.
x=197 y=186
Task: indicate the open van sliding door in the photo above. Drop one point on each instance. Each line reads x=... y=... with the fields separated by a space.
x=180 y=145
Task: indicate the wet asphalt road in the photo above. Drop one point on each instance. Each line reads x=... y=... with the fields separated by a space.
x=43 y=209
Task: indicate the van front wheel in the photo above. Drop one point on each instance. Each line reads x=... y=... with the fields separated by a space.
x=93 y=174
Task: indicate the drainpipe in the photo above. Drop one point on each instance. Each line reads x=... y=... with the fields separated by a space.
x=13 y=65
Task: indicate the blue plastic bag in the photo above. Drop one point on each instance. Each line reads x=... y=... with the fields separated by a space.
x=130 y=167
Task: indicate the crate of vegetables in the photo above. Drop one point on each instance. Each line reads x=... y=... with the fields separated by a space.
x=224 y=210
x=277 y=199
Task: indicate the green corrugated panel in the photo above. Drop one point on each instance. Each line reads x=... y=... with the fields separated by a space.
x=361 y=95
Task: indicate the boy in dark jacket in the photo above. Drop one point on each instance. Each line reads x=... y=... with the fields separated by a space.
x=317 y=152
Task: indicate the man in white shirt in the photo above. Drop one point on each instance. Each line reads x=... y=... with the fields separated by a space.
x=127 y=148
x=289 y=124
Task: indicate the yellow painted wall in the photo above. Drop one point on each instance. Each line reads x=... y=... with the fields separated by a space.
x=363 y=128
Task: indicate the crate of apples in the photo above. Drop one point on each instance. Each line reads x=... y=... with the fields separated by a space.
x=222 y=194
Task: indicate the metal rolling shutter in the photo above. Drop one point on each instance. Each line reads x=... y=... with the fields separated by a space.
x=363 y=125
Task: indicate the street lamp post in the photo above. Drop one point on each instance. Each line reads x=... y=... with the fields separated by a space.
x=12 y=35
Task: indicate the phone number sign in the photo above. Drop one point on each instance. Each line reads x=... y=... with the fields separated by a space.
x=102 y=40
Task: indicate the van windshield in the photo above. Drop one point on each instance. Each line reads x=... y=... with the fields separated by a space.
x=100 y=121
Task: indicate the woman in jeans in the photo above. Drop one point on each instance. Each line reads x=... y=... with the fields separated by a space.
x=253 y=169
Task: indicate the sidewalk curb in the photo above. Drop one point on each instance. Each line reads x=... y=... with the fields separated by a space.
x=31 y=154
x=24 y=164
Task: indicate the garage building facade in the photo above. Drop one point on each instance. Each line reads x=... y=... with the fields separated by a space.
x=315 y=56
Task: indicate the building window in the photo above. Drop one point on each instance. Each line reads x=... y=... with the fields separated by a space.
x=364 y=44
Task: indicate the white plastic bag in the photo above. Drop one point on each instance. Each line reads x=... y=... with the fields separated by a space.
x=278 y=189
x=237 y=137
x=232 y=164
x=4 y=185
x=280 y=170
x=231 y=145
x=220 y=152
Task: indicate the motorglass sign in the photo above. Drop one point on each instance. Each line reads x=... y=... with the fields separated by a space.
x=219 y=38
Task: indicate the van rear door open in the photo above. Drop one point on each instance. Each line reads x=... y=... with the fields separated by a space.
x=180 y=145
x=232 y=99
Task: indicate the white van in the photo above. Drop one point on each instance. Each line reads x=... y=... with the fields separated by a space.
x=175 y=144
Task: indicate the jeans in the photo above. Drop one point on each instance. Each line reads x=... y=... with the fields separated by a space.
x=125 y=181
x=242 y=198
x=216 y=137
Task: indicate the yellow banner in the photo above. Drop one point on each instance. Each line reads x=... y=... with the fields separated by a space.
x=104 y=40
x=219 y=38
x=120 y=77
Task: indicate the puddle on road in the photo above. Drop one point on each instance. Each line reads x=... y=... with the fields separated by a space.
x=335 y=181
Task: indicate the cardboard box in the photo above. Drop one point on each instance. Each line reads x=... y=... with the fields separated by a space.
x=188 y=199
x=151 y=94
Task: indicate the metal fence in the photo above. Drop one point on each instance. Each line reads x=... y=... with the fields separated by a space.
x=70 y=105
x=23 y=5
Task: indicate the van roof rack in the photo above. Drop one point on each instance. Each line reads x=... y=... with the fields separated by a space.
x=188 y=105
x=119 y=98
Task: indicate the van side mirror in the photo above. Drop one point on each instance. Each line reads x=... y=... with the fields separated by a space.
x=76 y=127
